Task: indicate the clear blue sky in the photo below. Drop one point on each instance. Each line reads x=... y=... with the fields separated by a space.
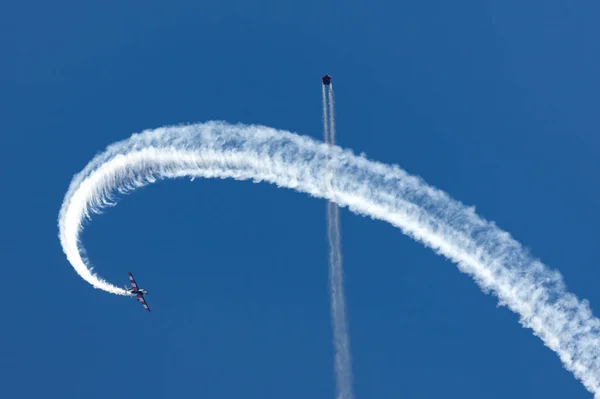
x=494 y=102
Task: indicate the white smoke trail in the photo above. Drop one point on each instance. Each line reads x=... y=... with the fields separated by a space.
x=497 y=262
x=341 y=340
x=331 y=115
x=325 y=121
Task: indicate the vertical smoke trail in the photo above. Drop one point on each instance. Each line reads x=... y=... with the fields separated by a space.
x=325 y=122
x=331 y=115
x=343 y=363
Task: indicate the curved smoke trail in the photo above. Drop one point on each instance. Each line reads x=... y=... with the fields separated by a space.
x=341 y=338
x=497 y=262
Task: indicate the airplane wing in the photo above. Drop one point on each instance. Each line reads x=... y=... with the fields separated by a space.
x=133 y=283
x=143 y=302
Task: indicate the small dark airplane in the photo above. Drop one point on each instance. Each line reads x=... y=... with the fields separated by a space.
x=139 y=292
x=326 y=79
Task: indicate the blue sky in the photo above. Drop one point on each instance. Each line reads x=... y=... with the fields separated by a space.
x=494 y=103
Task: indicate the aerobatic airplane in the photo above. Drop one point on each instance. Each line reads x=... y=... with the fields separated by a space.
x=326 y=79
x=140 y=292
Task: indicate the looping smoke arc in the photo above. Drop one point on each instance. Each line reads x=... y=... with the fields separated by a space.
x=496 y=262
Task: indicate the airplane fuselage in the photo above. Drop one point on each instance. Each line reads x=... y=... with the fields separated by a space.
x=137 y=292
